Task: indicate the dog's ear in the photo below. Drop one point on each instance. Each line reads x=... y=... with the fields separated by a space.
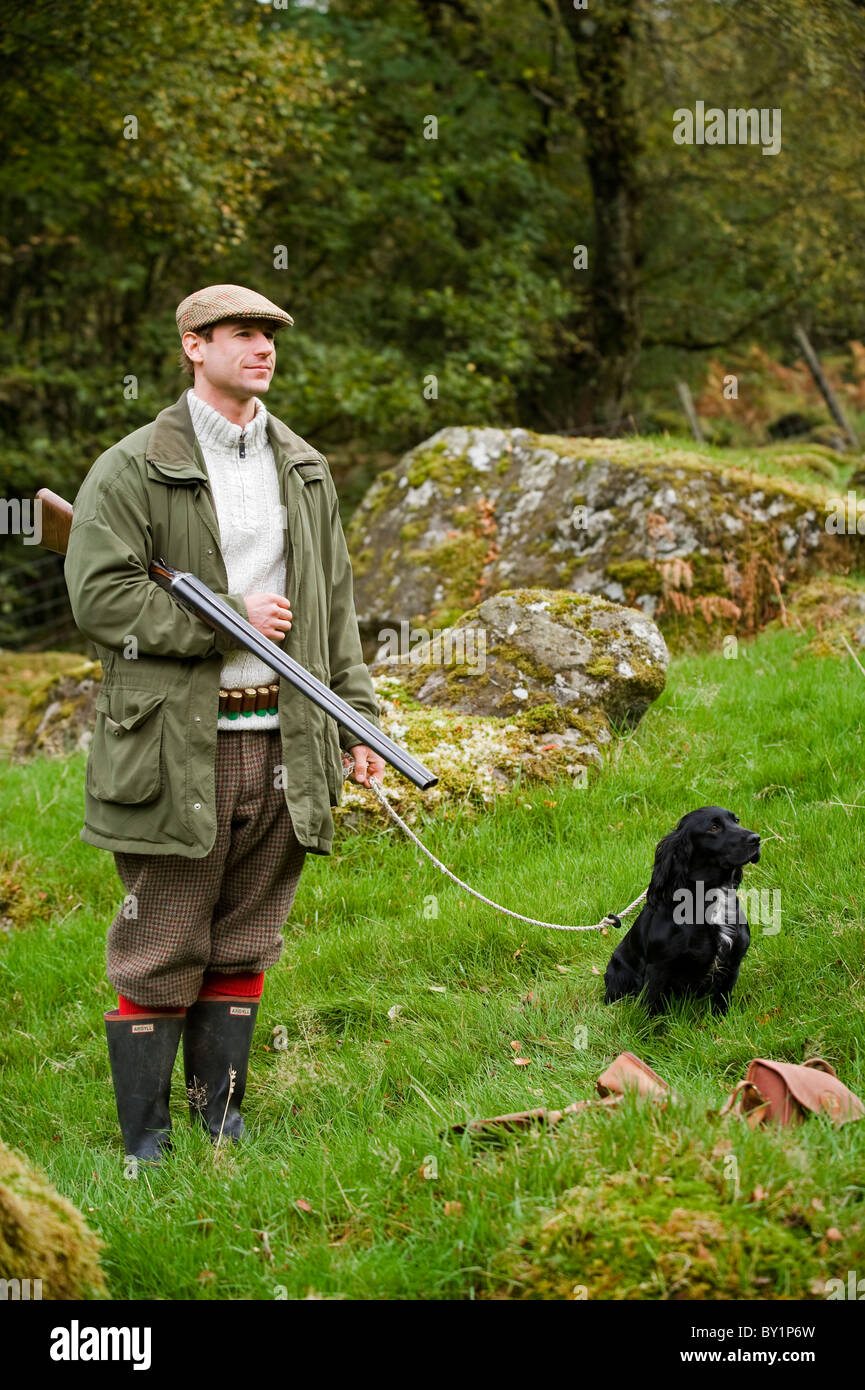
x=672 y=858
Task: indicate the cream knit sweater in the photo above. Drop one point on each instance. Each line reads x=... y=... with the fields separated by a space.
x=245 y=489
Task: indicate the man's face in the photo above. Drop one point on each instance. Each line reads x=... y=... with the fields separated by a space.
x=240 y=358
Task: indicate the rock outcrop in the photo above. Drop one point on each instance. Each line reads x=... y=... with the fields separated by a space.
x=690 y=542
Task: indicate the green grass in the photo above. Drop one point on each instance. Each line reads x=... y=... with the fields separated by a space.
x=349 y=1116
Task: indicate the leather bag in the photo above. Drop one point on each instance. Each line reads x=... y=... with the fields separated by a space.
x=785 y=1093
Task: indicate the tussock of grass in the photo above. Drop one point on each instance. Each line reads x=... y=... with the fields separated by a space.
x=348 y=1183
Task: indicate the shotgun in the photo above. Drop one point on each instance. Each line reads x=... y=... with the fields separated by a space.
x=187 y=589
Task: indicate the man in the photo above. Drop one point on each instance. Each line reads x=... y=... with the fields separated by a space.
x=208 y=778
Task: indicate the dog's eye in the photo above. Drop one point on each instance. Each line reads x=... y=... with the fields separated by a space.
x=714 y=825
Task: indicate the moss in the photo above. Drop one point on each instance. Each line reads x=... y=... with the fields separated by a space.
x=519 y=657
x=709 y=485
x=380 y=497
x=601 y=666
x=432 y=463
x=560 y=603
x=43 y=1236
x=549 y=717
x=542 y=546
x=457 y=564
x=636 y=576
x=446 y=617
x=593 y=724
x=628 y=1235
x=363 y=562
x=543 y=717
x=708 y=576
x=30 y=724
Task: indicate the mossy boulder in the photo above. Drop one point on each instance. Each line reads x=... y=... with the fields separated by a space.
x=61 y=713
x=43 y=1236
x=477 y=759
x=523 y=692
x=529 y=648
x=701 y=546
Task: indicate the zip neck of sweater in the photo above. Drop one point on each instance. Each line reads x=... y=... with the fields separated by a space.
x=217 y=434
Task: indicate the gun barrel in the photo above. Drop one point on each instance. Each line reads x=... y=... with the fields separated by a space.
x=190 y=591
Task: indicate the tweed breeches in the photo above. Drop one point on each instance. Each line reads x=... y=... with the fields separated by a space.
x=223 y=912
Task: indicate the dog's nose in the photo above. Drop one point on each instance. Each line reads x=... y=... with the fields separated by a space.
x=753 y=840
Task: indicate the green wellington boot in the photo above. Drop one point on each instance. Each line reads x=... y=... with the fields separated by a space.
x=216 y=1042
x=141 y=1050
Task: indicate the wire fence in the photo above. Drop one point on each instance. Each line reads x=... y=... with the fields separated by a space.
x=35 y=612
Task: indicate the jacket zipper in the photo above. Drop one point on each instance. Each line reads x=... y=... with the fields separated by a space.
x=241 y=446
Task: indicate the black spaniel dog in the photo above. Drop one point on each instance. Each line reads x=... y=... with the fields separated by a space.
x=691 y=935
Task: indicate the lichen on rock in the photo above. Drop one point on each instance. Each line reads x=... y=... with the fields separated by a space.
x=702 y=547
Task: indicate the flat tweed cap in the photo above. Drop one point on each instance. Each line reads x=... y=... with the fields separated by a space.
x=217 y=302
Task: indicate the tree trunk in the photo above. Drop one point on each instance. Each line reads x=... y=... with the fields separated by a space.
x=603 y=53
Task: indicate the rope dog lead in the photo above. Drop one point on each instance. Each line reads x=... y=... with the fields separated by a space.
x=612 y=918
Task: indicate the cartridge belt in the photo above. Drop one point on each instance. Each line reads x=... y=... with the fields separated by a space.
x=245 y=704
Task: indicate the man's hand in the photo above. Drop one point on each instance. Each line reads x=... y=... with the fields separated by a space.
x=366 y=764
x=270 y=614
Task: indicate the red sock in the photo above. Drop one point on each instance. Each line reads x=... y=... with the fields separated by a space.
x=127 y=1006
x=217 y=985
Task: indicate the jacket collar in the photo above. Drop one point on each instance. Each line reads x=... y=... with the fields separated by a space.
x=174 y=452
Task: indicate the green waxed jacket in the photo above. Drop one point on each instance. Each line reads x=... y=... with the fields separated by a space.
x=149 y=785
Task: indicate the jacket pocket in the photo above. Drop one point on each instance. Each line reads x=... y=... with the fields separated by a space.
x=125 y=762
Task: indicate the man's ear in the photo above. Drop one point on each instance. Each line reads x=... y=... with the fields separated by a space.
x=672 y=860
x=191 y=346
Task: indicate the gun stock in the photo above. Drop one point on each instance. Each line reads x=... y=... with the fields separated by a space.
x=56 y=515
